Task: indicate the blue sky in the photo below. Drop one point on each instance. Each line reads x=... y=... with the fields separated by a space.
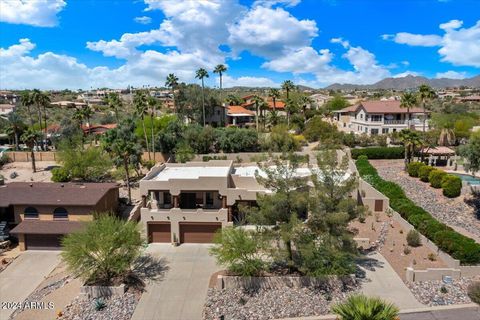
x=55 y=44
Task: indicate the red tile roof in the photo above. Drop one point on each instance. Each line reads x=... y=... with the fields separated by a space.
x=239 y=110
x=278 y=104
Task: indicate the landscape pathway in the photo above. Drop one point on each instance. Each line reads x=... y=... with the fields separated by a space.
x=181 y=294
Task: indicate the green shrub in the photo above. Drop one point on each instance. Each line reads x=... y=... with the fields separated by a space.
x=413 y=168
x=60 y=175
x=424 y=172
x=413 y=238
x=379 y=152
x=361 y=307
x=452 y=186
x=473 y=292
x=436 y=177
x=458 y=246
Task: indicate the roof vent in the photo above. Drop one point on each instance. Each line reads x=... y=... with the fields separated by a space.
x=62 y=185
x=31 y=184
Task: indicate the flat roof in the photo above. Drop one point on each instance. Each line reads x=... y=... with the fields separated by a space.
x=191 y=172
x=249 y=171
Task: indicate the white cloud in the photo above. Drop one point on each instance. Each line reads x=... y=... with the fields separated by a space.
x=229 y=82
x=451 y=75
x=344 y=43
x=40 y=13
x=406 y=73
x=459 y=46
x=143 y=20
x=302 y=60
x=271 y=3
x=269 y=32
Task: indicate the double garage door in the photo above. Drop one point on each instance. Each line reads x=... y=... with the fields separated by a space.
x=190 y=232
x=43 y=241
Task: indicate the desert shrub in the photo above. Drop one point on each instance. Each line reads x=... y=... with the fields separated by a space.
x=239 y=250
x=413 y=168
x=361 y=307
x=458 y=246
x=424 y=172
x=407 y=250
x=436 y=177
x=432 y=257
x=473 y=292
x=413 y=238
x=452 y=186
x=60 y=175
x=379 y=152
x=319 y=130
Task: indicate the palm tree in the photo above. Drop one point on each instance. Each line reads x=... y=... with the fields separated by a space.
x=220 y=69
x=26 y=101
x=152 y=103
x=172 y=83
x=274 y=94
x=287 y=86
x=447 y=137
x=16 y=125
x=408 y=101
x=30 y=137
x=361 y=307
x=87 y=113
x=410 y=140
x=41 y=101
x=258 y=101
x=202 y=74
x=425 y=93
x=291 y=107
x=141 y=108
x=78 y=116
x=114 y=102
x=273 y=118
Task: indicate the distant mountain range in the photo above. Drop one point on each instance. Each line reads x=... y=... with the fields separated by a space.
x=409 y=82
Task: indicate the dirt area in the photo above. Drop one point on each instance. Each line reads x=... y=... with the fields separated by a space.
x=24 y=171
x=58 y=290
x=7 y=256
x=393 y=245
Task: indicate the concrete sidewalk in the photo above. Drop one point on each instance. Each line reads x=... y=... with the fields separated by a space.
x=382 y=281
x=24 y=275
x=181 y=294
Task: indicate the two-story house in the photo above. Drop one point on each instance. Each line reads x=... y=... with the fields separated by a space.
x=189 y=202
x=379 y=117
x=43 y=212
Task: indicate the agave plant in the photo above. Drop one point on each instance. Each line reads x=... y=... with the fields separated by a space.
x=361 y=307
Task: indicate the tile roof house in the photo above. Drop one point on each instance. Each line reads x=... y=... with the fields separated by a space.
x=239 y=116
x=379 y=117
x=43 y=212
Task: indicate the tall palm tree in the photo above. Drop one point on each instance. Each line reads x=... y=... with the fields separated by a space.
x=220 y=69
x=305 y=101
x=152 y=103
x=141 y=108
x=87 y=113
x=16 y=126
x=78 y=116
x=425 y=93
x=274 y=94
x=408 y=101
x=202 y=74
x=288 y=86
x=172 y=83
x=30 y=137
x=27 y=101
x=411 y=140
x=41 y=101
x=114 y=103
x=258 y=101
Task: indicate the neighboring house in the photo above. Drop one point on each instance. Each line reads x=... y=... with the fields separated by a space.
x=470 y=99
x=45 y=211
x=239 y=116
x=6 y=109
x=69 y=104
x=98 y=129
x=319 y=99
x=379 y=117
x=189 y=202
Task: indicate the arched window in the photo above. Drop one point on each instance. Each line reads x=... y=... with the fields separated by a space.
x=60 y=213
x=30 y=213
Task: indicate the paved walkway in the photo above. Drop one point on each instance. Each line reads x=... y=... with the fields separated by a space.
x=23 y=276
x=181 y=294
x=382 y=281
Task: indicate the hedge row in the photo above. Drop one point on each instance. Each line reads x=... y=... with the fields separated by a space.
x=455 y=244
x=379 y=153
x=451 y=185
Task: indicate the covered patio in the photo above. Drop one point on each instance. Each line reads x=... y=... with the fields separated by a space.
x=439 y=156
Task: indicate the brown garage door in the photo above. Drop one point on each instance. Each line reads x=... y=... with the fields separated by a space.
x=43 y=241
x=198 y=232
x=159 y=232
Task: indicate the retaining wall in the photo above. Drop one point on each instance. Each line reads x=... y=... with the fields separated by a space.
x=102 y=291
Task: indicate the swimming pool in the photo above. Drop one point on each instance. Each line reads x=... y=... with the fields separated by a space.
x=468 y=178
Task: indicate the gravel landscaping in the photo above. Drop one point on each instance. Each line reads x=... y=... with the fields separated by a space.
x=430 y=292
x=453 y=212
x=240 y=304
x=117 y=308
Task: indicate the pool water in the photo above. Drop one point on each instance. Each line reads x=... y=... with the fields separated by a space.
x=468 y=178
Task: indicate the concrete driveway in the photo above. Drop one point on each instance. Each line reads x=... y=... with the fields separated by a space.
x=180 y=295
x=23 y=275
x=382 y=281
